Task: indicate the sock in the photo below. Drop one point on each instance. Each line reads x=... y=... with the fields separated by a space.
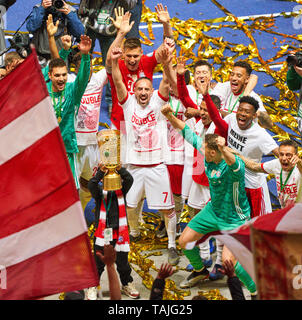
x=139 y=211
x=194 y=258
x=132 y=217
x=170 y=223
x=219 y=247
x=191 y=212
x=245 y=278
x=179 y=204
x=204 y=250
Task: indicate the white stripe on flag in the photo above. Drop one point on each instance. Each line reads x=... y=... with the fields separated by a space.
x=35 y=123
x=43 y=236
x=241 y=253
x=292 y=220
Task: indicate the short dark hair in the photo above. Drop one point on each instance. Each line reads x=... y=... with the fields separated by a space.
x=216 y=100
x=132 y=43
x=250 y=100
x=200 y=63
x=56 y=63
x=290 y=143
x=142 y=78
x=78 y=57
x=245 y=65
x=210 y=140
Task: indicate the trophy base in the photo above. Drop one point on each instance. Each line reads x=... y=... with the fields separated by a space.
x=112 y=182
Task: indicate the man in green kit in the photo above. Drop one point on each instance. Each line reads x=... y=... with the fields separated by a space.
x=228 y=207
x=66 y=98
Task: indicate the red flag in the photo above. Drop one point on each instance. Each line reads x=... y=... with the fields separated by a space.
x=287 y=220
x=43 y=235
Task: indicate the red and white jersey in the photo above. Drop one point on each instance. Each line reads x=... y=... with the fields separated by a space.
x=89 y=112
x=230 y=101
x=290 y=182
x=252 y=143
x=146 y=131
x=176 y=145
x=146 y=68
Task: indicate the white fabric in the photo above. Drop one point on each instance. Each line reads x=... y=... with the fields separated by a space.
x=176 y=146
x=252 y=143
x=88 y=159
x=199 y=196
x=89 y=111
x=146 y=131
x=290 y=191
x=154 y=182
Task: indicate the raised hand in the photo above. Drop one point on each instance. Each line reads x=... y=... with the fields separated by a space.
x=109 y=255
x=51 y=27
x=125 y=25
x=169 y=44
x=203 y=87
x=162 y=13
x=181 y=65
x=119 y=13
x=116 y=53
x=220 y=142
x=66 y=41
x=164 y=56
x=165 y=271
x=166 y=109
x=85 y=45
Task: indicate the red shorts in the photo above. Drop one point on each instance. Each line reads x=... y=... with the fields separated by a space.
x=175 y=173
x=256 y=201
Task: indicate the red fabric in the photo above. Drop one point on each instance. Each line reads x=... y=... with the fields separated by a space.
x=121 y=234
x=66 y=267
x=175 y=173
x=183 y=93
x=145 y=69
x=37 y=184
x=221 y=125
x=255 y=198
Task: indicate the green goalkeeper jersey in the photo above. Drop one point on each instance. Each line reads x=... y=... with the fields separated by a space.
x=227 y=187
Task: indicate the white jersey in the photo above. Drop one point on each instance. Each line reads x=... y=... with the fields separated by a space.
x=176 y=143
x=89 y=111
x=229 y=101
x=252 y=143
x=290 y=184
x=146 y=131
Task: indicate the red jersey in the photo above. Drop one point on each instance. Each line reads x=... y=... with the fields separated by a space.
x=145 y=69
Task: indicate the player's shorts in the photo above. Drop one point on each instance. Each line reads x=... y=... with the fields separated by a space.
x=155 y=183
x=256 y=201
x=186 y=180
x=206 y=221
x=87 y=161
x=175 y=173
x=199 y=196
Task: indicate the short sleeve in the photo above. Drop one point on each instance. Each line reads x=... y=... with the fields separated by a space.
x=272 y=167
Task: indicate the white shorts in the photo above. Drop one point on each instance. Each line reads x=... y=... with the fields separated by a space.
x=199 y=196
x=186 y=180
x=87 y=161
x=154 y=182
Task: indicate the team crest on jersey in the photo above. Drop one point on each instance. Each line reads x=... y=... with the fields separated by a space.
x=120 y=239
x=213 y=173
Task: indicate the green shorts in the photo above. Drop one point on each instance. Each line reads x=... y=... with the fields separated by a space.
x=206 y=221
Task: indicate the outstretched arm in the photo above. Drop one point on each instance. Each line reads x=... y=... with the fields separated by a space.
x=51 y=31
x=182 y=89
x=164 y=18
x=121 y=90
x=123 y=25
